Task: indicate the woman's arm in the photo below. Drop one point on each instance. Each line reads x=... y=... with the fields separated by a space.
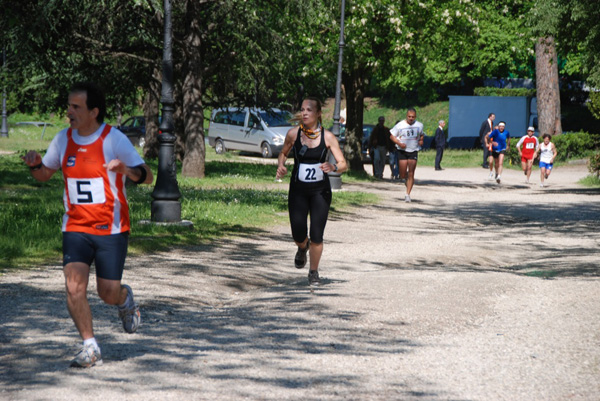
x=290 y=137
x=334 y=146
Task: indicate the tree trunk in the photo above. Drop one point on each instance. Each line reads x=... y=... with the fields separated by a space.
x=193 y=110
x=548 y=94
x=354 y=84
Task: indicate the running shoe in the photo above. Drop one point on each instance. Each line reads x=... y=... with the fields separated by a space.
x=491 y=176
x=313 y=277
x=300 y=259
x=130 y=317
x=498 y=179
x=88 y=356
x=407 y=198
x=542 y=185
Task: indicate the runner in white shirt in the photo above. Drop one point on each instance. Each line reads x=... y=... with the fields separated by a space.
x=547 y=152
x=408 y=137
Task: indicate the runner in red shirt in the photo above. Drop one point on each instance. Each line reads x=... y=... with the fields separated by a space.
x=529 y=144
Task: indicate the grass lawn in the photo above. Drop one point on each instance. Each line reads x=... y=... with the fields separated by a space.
x=236 y=197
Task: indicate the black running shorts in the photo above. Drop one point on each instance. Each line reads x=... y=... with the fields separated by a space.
x=107 y=251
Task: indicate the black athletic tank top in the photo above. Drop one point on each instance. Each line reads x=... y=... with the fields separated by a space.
x=307 y=160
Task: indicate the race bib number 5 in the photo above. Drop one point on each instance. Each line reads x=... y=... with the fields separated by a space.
x=86 y=191
x=310 y=172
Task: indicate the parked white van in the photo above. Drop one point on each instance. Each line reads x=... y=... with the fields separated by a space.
x=250 y=130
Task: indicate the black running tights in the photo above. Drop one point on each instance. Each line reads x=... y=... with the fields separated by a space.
x=301 y=202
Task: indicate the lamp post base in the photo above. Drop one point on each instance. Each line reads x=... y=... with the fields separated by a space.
x=165 y=211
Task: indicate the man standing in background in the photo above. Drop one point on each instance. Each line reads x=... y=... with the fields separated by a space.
x=486 y=128
x=440 y=144
x=378 y=141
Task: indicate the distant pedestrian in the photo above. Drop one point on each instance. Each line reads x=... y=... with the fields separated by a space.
x=378 y=141
x=530 y=145
x=440 y=144
x=547 y=152
x=95 y=160
x=408 y=137
x=486 y=128
x=393 y=159
x=500 y=140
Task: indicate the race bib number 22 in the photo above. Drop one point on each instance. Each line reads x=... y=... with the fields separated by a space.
x=310 y=172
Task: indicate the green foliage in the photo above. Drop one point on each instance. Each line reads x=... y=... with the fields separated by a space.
x=594 y=104
x=512 y=154
x=579 y=34
x=573 y=145
x=590 y=181
x=491 y=91
x=594 y=164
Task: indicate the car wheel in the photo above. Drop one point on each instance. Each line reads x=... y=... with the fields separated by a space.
x=266 y=151
x=141 y=141
x=220 y=147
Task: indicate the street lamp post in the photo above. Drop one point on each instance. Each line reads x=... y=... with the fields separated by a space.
x=4 y=130
x=166 y=207
x=336 y=178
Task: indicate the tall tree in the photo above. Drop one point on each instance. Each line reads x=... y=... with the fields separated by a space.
x=579 y=33
x=545 y=20
x=405 y=45
x=226 y=52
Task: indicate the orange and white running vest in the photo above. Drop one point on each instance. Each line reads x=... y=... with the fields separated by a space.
x=94 y=198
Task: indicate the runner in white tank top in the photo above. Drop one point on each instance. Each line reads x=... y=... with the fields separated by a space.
x=547 y=152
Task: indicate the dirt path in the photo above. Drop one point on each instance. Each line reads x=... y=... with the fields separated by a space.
x=474 y=291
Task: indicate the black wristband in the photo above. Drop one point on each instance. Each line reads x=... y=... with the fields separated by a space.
x=36 y=167
x=143 y=175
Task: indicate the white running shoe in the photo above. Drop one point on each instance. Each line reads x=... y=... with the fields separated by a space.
x=542 y=185
x=498 y=179
x=491 y=176
x=131 y=318
x=407 y=198
x=88 y=356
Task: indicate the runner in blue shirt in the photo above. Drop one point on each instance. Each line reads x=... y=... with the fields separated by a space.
x=500 y=140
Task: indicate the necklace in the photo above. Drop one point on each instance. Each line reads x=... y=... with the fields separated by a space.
x=311 y=134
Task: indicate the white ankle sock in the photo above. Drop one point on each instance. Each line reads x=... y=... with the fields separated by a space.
x=90 y=341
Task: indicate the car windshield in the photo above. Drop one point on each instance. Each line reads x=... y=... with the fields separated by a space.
x=276 y=118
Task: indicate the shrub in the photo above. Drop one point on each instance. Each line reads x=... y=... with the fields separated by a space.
x=573 y=145
x=512 y=154
x=594 y=104
x=594 y=164
x=491 y=91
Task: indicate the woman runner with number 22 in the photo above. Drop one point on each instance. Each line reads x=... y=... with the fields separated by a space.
x=310 y=190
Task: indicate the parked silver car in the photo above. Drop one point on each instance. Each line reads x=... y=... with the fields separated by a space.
x=250 y=130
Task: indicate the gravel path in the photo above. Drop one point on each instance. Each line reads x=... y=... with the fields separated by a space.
x=474 y=291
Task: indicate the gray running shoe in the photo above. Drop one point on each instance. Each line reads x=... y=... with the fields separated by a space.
x=131 y=318
x=300 y=259
x=87 y=357
x=313 y=277
x=407 y=199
